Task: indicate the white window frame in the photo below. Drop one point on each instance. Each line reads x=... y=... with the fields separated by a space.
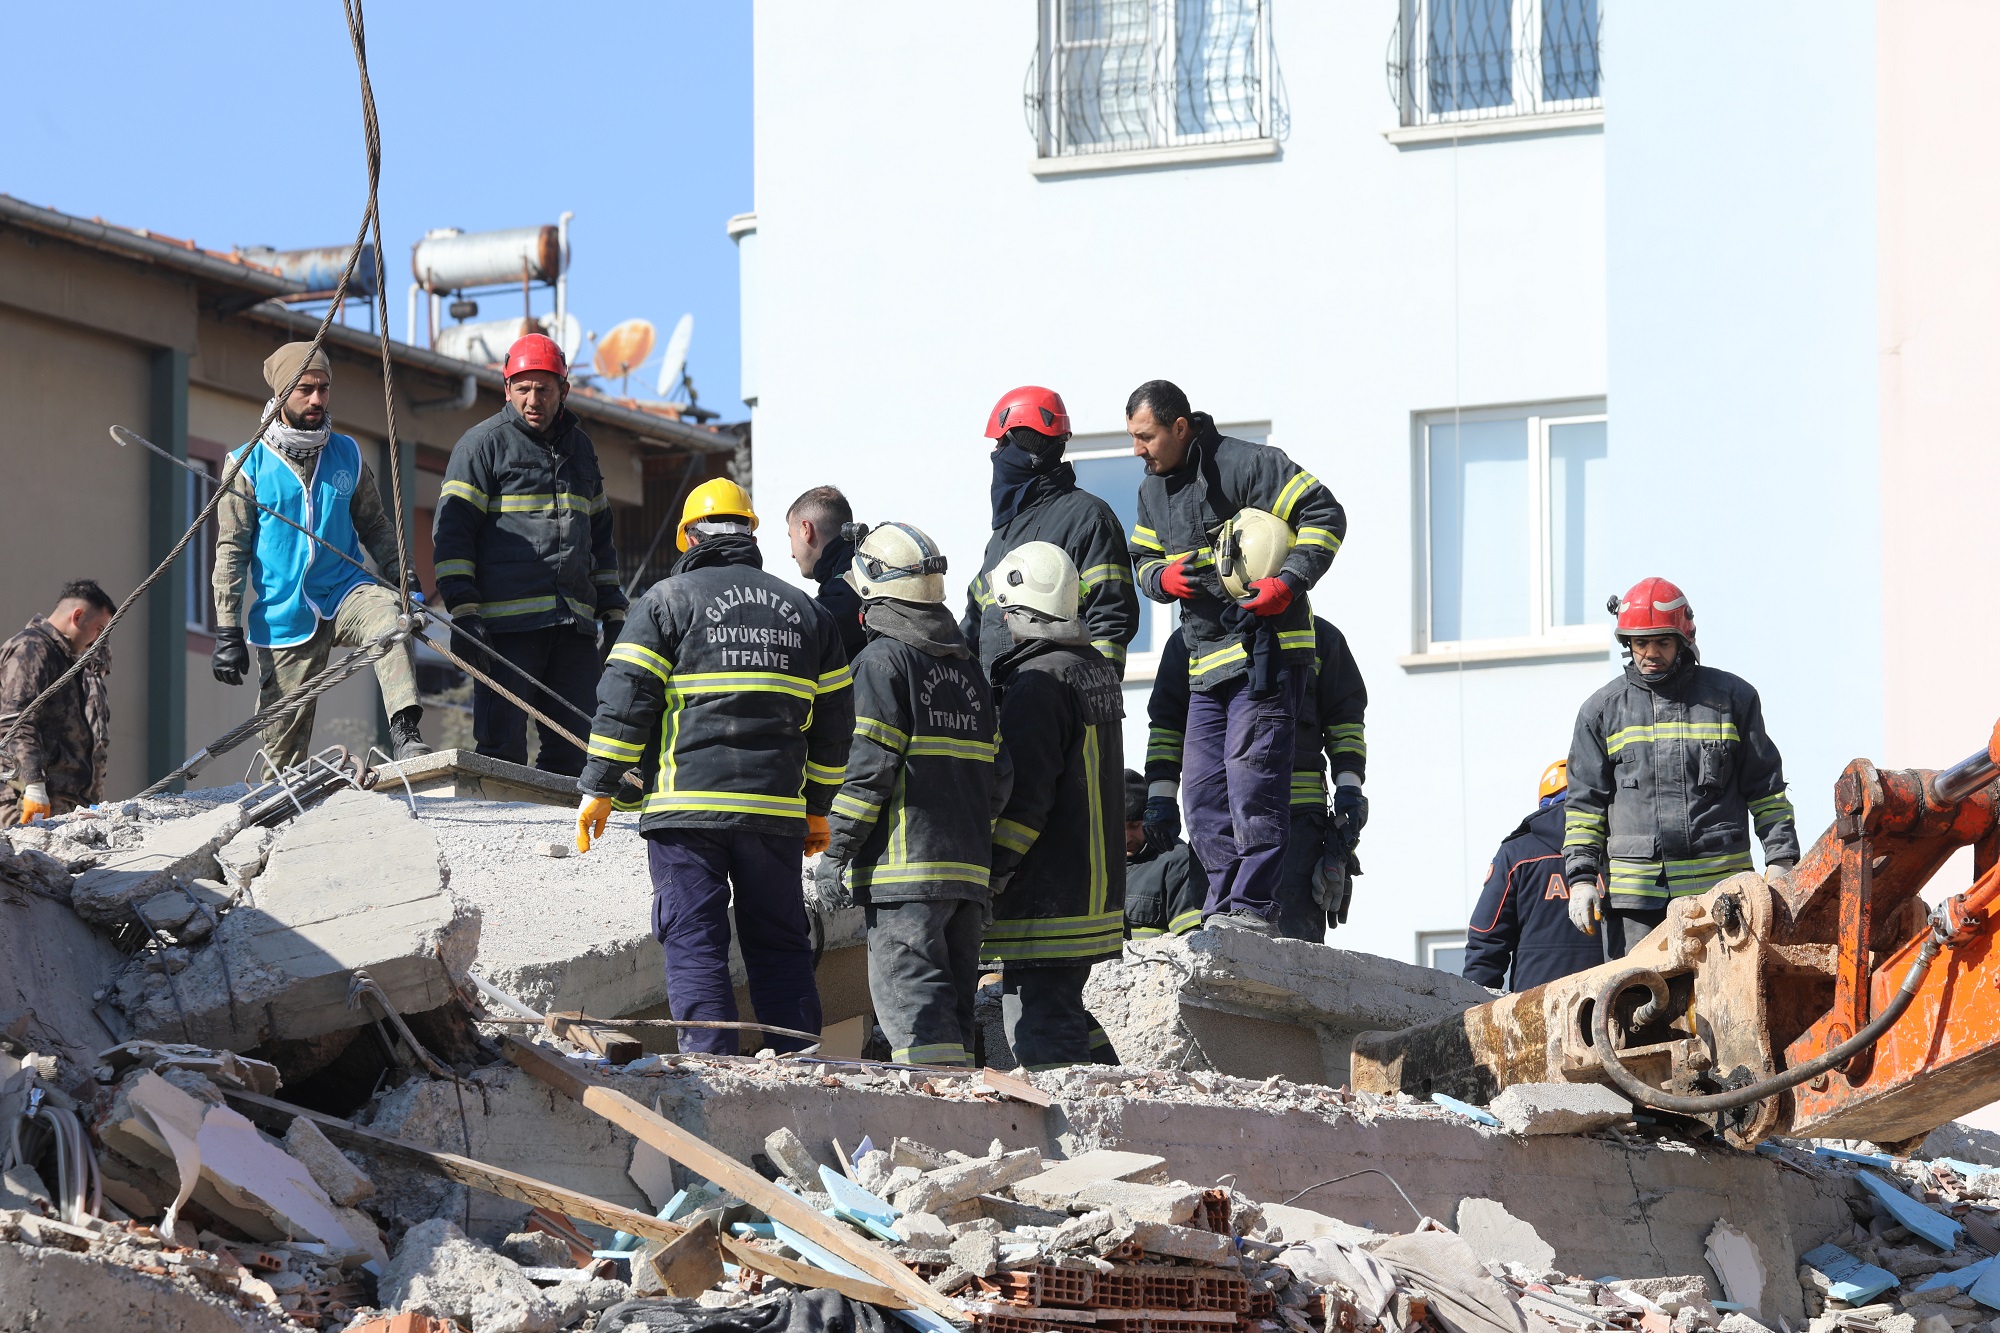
x=199 y=566
x=1431 y=942
x=1053 y=140
x=1543 y=636
x=1526 y=82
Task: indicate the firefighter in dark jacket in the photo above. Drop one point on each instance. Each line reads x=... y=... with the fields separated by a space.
x=1164 y=884
x=1036 y=498
x=815 y=525
x=739 y=684
x=522 y=545
x=1249 y=654
x=912 y=826
x=1058 y=846
x=53 y=764
x=1521 y=921
x=1319 y=849
x=1669 y=769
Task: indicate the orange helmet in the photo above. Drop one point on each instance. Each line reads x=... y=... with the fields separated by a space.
x=1555 y=778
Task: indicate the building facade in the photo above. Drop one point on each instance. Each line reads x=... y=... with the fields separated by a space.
x=1394 y=269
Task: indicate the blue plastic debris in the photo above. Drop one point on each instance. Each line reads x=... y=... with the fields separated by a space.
x=1472 y=1113
x=1966 y=1169
x=1987 y=1289
x=1929 y=1223
x=862 y=1149
x=858 y=1206
x=1853 y=1281
x=820 y=1257
x=1883 y=1160
x=1963 y=1278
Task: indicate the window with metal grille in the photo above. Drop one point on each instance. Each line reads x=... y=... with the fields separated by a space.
x=198 y=569
x=1455 y=60
x=1123 y=75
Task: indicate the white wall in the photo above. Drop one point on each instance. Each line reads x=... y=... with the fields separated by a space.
x=1740 y=184
x=911 y=269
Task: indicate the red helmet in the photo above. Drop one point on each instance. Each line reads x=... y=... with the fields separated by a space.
x=1040 y=410
x=533 y=351
x=1654 y=606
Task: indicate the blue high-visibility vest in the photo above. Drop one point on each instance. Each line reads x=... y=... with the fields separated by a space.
x=297 y=581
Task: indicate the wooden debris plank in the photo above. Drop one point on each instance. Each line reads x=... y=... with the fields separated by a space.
x=695 y=1153
x=616 y=1047
x=1013 y=1085
x=551 y=1198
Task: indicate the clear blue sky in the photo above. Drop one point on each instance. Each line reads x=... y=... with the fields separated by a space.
x=235 y=123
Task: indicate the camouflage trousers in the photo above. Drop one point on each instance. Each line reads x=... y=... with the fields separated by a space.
x=367 y=613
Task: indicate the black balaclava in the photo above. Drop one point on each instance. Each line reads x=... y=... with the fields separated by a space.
x=1026 y=464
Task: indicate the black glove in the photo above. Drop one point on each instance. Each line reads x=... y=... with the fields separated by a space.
x=830 y=884
x=468 y=638
x=1163 y=823
x=1350 y=813
x=232 y=655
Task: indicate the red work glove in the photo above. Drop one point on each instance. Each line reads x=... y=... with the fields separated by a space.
x=1269 y=597
x=1174 y=581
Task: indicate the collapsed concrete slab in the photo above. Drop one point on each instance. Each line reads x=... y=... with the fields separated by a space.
x=355 y=882
x=54 y=965
x=180 y=849
x=469 y=775
x=1249 y=1005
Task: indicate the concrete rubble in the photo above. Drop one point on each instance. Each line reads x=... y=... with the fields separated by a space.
x=180 y=984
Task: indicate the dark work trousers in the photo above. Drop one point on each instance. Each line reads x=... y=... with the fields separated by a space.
x=923 y=972
x=1236 y=786
x=563 y=659
x=1299 y=917
x=1047 y=1025
x=1624 y=927
x=693 y=871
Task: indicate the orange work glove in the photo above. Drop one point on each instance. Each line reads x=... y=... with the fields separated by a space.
x=591 y=817
x=818 y=835
x=35 y=803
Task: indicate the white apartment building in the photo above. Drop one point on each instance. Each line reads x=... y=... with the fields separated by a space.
x=1371 y=233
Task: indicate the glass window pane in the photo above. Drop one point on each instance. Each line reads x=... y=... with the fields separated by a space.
x=1105 y=69
x=1569 y=49
x=1471 y=57
x=1579 y=546
x=1215 y=67
x=1479 y=530
x=1116 y=482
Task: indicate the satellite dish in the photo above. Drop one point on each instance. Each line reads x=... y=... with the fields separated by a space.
x=624 y=349
x=674 y=361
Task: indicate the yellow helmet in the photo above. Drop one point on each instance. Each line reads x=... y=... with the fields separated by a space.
x=720 y=498
x=1555 y=778
x=1251 y=546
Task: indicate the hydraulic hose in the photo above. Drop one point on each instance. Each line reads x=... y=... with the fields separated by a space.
x=1647 y=1095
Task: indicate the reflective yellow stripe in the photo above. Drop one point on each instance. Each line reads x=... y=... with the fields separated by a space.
x=1053 y=937
x=1114 y=652
x=456 y=569
x=1294 y=489
x=1096 y=574
x=1100 y=876
x=950 y=747
x=466 y=609
x=980 y=592
x=727 y=682
x=605 y=578
x=1289 y=639
x=822 y=773
x=459 y=490
x=1165 y=744
x=918 y=872
x=1347 y=738
x=1015 y=837
x=837 y=679
x=528 y=502
x=1201 y=666
x=884 y=735
x=1321 y=537
x=727 y=802
x=524 y=606
x=846 y=803
x=941 y=1053
x=1147 y=538
x=1582 y=829
x=610 y=747
x=1183 y=922
x=1684 y=877
x=1769 y=810
x=643 y=657
x=1650 y=732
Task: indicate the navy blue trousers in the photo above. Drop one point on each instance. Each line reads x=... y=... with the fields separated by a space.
x=693 y=870
x=562 y=659
x=1236 y=787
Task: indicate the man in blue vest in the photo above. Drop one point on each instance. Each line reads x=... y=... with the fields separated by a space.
x=307 y=598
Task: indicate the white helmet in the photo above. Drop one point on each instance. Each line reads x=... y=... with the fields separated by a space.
x=1252 y=545
x=897 y=560
x=1035 y=585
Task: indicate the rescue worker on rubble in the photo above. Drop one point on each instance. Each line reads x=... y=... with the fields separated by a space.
x=1520 y=935
x=738 y=684
x=53 y=764
x=1669 y=768
x=308 y=599
x=1249 y=655
x=1058 y=857
x=1036 y=498
x=525 y=564
x=1320 y=863
x=911 y=828
x=816 y=526
x=1164 y=884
